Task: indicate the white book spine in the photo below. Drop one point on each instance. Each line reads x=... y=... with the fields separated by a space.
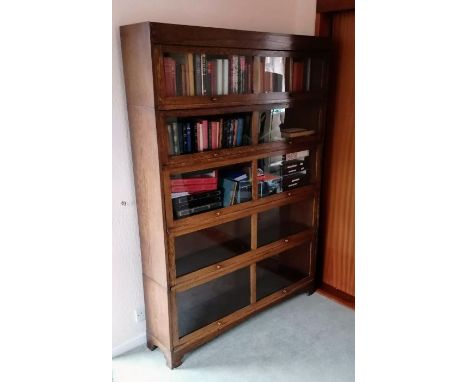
x=225 y=76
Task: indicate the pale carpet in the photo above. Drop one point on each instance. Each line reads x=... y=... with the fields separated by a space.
x=306 y=338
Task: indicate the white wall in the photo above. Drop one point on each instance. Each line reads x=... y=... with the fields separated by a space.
x=292 y=16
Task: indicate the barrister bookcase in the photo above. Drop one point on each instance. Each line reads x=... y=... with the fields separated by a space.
x=227 y=195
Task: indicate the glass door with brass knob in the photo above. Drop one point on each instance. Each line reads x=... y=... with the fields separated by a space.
x=210 y=246
x=280 y=271
x=210 y=302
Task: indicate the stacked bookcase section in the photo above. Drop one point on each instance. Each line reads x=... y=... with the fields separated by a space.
x=227 y=133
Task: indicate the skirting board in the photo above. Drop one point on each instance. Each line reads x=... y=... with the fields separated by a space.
x=129 y=345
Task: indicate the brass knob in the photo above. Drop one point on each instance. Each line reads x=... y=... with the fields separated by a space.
x=284 y=291
x=218 y=266
x=218 y=213
x=214 y=98
x=219 y=323
x=215 y=154
x=289 y=194
x=286 y=240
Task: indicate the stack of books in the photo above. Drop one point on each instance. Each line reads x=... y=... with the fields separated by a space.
x=237 y=187
x=200 y=74
x=293 y=173
x=195 y=193
x=192 y=204
x=186 y=137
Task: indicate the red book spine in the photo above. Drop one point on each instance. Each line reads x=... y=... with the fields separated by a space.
x=205 y=134
x=193 y=181
x=194 y=188
x=296 y=78
x=169 y=76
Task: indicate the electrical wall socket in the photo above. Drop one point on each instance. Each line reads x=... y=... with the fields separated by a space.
x=139 y=315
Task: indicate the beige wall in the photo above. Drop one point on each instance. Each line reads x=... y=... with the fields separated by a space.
x=292 y=16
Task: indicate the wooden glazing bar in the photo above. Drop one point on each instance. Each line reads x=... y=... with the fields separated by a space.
x=224 y=157
x=253 y=283
x=231 y=100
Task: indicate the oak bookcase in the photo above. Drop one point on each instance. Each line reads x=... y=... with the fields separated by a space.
x=206 y=272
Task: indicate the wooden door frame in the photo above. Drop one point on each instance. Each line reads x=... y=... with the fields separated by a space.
x=325 y=10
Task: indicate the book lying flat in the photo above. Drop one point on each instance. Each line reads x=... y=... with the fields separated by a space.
x=296 y=132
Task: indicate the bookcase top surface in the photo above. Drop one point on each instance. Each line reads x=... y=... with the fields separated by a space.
x=175 y=34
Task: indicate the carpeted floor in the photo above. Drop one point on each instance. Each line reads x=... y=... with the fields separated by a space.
x=307 y=338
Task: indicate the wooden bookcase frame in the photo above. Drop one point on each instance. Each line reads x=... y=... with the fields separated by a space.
x=142 y=51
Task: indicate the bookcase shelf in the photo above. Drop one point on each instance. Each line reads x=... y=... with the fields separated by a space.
x=227 y=196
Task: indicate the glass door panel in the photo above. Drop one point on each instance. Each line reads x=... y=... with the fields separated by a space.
x=281 y=124
x=280 y=271
x=206 y=303
x=211 y=245
x=188 y=135
x=280 y=222
x=283 y=173
x=207 y=74
x=201 y=191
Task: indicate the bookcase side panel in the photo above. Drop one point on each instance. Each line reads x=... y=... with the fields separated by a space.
x=138 y=72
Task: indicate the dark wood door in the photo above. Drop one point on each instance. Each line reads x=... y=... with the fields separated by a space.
x=337 y=235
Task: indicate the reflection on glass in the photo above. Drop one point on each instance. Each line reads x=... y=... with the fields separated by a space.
x=279 y=271
x=270 y=125
x=206 y=303
x=272 y=72
x=189 y=74
x=211 y=245
x=282 y=173
x=280 y=222
x=206 y=190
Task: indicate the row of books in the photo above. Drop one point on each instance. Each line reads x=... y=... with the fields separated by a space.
x=207 y=190
x=193 y=136
x=296 y=76
x=192 y=74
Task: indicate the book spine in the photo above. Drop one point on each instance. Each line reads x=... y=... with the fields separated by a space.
x=181 y=200
x=180 y=135
x=225 y=76
x=204 y=73
x=241 y=74
x=199 y=137
x=176 y=138
x=213 y=77
x=219 y=76
x=178 y=79
x=193 y=181
x=189 y=137
x=209 y=76
x=171 y=139
x=205 y=134
x=198 y=76
x=240 y=131
x=185 y=134
x=210 y=135
x=194 y=188
x=193 y=127
x=235 y=71
x=195 y=210
x=169 y=76
x=183 y=69
x=191 y=86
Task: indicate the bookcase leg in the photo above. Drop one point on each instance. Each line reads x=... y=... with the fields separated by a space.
x=173 y=360
x=312 y=288
x=150 y=345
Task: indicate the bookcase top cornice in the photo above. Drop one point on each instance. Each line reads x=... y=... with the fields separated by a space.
x=187 y=35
